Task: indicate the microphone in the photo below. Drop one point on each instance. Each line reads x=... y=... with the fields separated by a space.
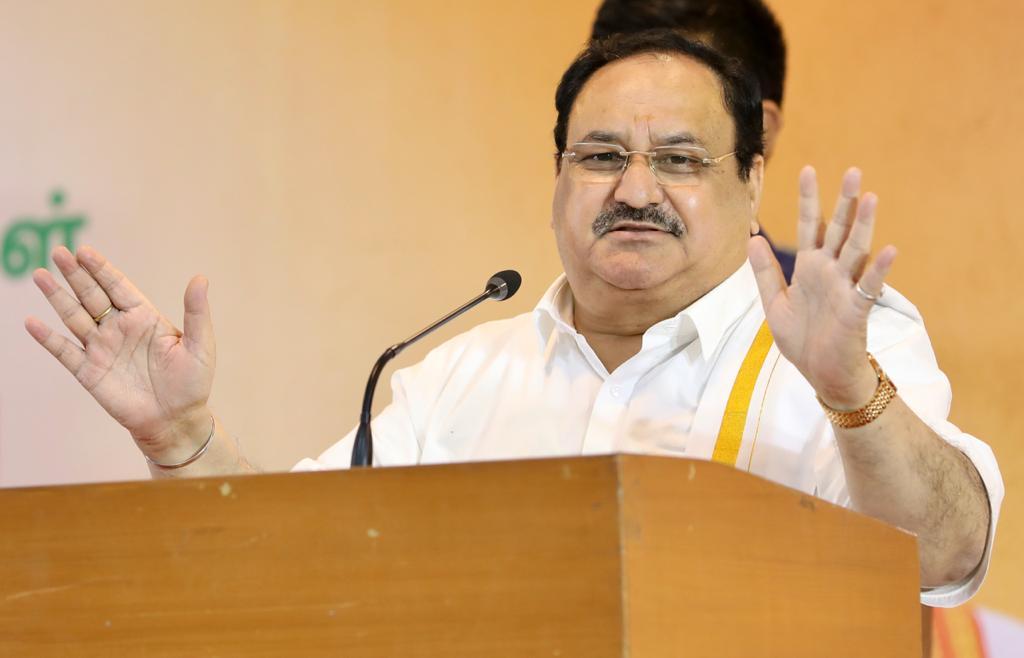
x=499 y=287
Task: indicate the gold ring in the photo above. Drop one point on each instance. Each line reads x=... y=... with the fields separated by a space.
x=104 y=314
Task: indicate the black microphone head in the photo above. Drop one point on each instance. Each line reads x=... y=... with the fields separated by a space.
x=505 y=284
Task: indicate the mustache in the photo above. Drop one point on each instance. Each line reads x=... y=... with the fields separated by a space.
x=607 y=219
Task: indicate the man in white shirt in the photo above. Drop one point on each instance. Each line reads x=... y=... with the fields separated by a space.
x=653 y=341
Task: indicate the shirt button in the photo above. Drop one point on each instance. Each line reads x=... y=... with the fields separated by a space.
x=616 y=390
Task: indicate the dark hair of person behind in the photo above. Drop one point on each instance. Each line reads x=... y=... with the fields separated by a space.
x=740 y=94
x=744 y=29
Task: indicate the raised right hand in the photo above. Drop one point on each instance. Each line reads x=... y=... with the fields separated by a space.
x=152 y=378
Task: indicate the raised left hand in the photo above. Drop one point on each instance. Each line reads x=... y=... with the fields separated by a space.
x=819 y=321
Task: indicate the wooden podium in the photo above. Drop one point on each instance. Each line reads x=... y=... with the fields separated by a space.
x=598 y=556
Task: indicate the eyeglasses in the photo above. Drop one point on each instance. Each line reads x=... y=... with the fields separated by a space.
x=672 y=165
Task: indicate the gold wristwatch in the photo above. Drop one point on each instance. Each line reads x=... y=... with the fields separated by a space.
x=884 y=394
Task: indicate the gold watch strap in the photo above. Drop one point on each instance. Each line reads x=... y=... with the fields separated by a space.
x=884 y=394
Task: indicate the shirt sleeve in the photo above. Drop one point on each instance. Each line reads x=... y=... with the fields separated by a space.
x=898 y=340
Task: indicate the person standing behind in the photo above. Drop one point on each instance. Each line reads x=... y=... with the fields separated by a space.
x=746 y=30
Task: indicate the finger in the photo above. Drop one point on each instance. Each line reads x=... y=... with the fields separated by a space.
x=808 y=234
x=71 y=356
x=122 y=292
x=70 y=311
x=82 y=283
x=770 y=280
x=874 y=277
x=846 y=209
x=857 y=247
x=198 y=325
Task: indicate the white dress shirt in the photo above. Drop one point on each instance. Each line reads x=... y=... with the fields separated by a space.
x=531 y=386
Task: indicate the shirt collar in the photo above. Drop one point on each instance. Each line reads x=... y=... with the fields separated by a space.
x=554 y=310
x=711 y=315
x=720 y=308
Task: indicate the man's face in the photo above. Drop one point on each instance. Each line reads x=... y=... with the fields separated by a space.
x=640 y=103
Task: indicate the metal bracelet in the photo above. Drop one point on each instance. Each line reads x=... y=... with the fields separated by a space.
x=885 y=392
x=199 y=453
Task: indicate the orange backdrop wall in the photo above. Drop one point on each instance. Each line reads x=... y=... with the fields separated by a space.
x=344 y=171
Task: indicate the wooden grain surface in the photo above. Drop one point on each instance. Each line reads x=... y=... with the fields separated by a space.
x=602 y=556
x=722 y=564
x=513 y=559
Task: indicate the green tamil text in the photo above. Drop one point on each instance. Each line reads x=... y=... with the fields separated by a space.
x=28 y=240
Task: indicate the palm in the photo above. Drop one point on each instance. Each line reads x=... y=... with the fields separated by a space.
x=142 y=370
x=819 y=321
